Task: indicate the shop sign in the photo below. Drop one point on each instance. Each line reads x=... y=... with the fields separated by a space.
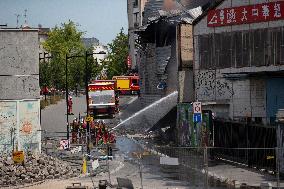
x=246 y=14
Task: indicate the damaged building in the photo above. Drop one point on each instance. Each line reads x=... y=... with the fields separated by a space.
x=165 y=58
x=239 y=72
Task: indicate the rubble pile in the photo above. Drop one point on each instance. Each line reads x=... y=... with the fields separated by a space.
x=34 y=169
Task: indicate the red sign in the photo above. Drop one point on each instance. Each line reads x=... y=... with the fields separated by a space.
x=246 y=14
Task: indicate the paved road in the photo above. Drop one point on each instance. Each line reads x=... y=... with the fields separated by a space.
x=53 y=118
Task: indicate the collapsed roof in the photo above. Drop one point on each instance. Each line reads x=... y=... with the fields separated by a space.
x=181 y=11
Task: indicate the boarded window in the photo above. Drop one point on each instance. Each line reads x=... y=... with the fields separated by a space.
x=238 y=49
x=246 y=49
x=206 y=45
x=258 y=37
x=217 y=49
x=276 y=45
x=282 y=47
x=262 y=47
x=225 y=56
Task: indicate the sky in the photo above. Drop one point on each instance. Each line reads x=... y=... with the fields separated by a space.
x=102 y=19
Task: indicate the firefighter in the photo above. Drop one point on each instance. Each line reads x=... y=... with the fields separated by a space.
x=70 y=104
x=75 y=128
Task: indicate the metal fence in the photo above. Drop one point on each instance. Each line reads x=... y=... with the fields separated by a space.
x=245 y=144
x=203 y=168
x=150 y=166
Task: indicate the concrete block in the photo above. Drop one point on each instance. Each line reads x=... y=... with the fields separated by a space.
x=19 y=53
x=19 y=87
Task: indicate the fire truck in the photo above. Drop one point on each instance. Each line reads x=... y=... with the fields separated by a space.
x=127 y=84
x=103 y=99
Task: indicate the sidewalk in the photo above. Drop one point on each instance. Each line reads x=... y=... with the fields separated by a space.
x=229 y=173
x=222 y=173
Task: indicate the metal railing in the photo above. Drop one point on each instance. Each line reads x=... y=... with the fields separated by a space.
x=203 y=168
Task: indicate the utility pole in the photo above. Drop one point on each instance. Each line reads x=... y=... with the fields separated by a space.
x=66 y=91
x=87 y=101
x=25 y=15
x=18 y=16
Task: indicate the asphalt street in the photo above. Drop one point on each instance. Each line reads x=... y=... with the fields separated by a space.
x=53 y=117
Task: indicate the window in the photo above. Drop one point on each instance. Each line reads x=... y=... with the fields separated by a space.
x=136 y=17
x=135 y=82
x=135 y=3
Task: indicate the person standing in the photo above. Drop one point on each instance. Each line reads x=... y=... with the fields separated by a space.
x=70 y=104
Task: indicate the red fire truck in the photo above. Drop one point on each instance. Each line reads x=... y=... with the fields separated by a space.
x=103 y=99
x=127 y=84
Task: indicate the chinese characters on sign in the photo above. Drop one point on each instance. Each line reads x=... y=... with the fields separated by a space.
x=246 y=14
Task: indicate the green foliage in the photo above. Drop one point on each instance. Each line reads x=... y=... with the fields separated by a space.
x=44 y=72
x=63 y=40
x=116 y=61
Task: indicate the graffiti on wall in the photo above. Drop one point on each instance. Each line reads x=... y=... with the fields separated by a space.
x=190 y=133
x=205 y=84
x=8 y=122
x=211 y=87
x=29 y=125
x=185 y=123
x=19 y=125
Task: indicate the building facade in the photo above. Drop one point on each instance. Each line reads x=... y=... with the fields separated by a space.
x=238 y=60
x=135 y=9
x=100 y=53
x=165 y=58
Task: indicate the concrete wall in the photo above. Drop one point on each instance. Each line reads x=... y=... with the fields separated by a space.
x=131 y=28
x=186 y=88
x=19 y=52
x=19 y=90
x=19 y=76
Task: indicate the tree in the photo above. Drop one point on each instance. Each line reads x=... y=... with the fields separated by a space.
x=116 y=61
x=44 y=72
x=63 y=40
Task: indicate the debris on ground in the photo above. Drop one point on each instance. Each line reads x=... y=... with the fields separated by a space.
x=34 y=169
